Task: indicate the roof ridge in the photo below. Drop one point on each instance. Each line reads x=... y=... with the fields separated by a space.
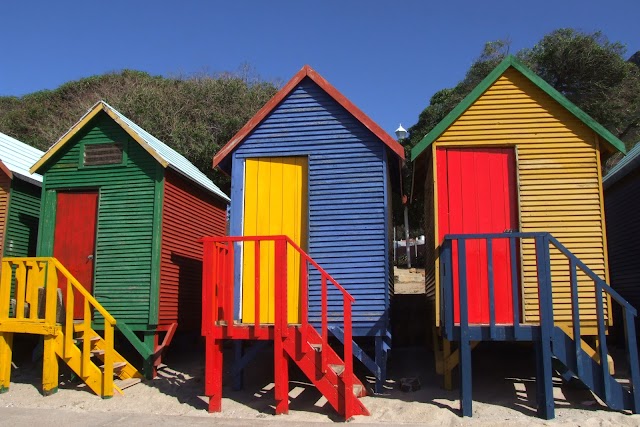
x=492 y=77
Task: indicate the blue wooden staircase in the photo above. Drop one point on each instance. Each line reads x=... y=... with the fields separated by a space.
x=552 y=342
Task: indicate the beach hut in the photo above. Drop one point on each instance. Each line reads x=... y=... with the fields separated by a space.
x=515 y=222
x=19 y=198
x=124 y=213
x=312 y=166
x=622 y=202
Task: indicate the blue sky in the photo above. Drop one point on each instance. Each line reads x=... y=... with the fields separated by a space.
x=388 y=57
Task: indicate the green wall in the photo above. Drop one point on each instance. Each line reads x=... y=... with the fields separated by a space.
x=125 y=278
x=22 y=225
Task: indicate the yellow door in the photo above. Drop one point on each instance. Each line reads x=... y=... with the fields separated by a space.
x=275 y=203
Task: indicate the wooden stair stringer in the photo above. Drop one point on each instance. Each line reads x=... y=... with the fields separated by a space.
x=127 y=371
x=328 y=382
x=590 y=373
x=72 y=356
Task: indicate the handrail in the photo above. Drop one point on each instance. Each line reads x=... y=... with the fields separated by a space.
x=31 y=273
x=219 y=283
x=542 y=240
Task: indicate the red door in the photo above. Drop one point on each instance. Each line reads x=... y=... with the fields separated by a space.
x=477 y=194
x=75 y=239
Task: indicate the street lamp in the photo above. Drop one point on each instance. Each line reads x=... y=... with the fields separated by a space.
x=401 y=134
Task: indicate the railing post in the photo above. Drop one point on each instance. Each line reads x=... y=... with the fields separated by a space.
x=229 y=285
x=257 y=296
x=575 y=316
x=632 y=358
x=543 y=347
x=602 y=341
x=20 y=289
x=304 y=291
x=515 y=296
x=492 y=293
x=281 y=368
x=5 y=289
x=446 y=287
x=108 y=360
x=466 y=399
x=208 y=260
x=347 y=378
x=325 y=321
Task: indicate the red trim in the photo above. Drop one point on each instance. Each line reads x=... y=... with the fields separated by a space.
x=309 y=72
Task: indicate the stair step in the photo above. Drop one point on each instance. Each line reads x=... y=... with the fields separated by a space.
x=94 y=338
x=98 y=352
x=316 y=347
x=338 y=369
x=357 y=390
x=129 y=382
x=116 y=366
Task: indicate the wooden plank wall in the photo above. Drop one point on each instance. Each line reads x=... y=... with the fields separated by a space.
x=347 y=212
x=189 y=213
x=622 y=204
x=122 y=281
x=5 y=187
x=21 y=228
x=558 y=179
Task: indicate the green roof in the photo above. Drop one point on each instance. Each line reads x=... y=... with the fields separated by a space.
x=512 y=61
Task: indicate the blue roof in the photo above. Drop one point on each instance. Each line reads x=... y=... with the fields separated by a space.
x=164 y=154
x=18 y=157
x=628 y=163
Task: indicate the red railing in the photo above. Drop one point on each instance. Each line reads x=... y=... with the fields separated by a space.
x=218 y=293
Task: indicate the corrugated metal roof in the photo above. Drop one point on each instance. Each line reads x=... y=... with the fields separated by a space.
x=176 y=160
x=18 y=157
x=624 y=166
x=164 y=154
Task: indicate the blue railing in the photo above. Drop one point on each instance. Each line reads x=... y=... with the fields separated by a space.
x=464 y=332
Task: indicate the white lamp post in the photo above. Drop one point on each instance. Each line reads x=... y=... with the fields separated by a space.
x=401 y=134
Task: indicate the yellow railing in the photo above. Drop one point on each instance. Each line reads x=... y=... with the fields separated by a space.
x=22 y=278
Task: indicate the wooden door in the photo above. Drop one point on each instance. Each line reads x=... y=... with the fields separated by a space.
x=75 y=239
x=477 y=194
x=275 y=203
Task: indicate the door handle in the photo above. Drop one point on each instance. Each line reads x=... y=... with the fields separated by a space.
x=90 y=257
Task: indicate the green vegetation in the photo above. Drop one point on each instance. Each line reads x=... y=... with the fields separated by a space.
x=195 y=115
x=587 y=68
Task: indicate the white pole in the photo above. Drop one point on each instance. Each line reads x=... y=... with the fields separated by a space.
x=406 y=234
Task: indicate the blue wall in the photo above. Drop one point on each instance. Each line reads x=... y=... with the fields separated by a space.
x=348 y=198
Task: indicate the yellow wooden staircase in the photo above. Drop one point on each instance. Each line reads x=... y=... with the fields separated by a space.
x=31 y=302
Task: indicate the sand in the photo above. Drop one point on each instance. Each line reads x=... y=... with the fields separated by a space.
x=503 y=391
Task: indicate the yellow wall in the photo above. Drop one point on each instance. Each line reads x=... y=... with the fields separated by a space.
x=275 y=203
x=559 y=180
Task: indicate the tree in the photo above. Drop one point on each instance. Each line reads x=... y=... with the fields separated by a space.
x=195 y=114
x=585 y=67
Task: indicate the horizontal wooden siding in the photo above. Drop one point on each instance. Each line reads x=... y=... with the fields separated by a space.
x=22 y=222
x=5 y=188
x=188 y=214
x=622 y=203
x=559 y=184
x=122 y=280
x=347 y=212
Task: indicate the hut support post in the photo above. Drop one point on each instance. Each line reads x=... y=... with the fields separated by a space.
x=49 y=366
x=213 y=373
x=6 y=344
x=381 y=362
x=149 y=368
x=544 y=372
x=238 y=353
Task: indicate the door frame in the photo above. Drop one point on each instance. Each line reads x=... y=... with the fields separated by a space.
x=437 y=224
x=236 y=226
x=96 y=190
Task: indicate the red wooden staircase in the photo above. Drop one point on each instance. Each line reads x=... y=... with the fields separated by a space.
x=300 y=342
